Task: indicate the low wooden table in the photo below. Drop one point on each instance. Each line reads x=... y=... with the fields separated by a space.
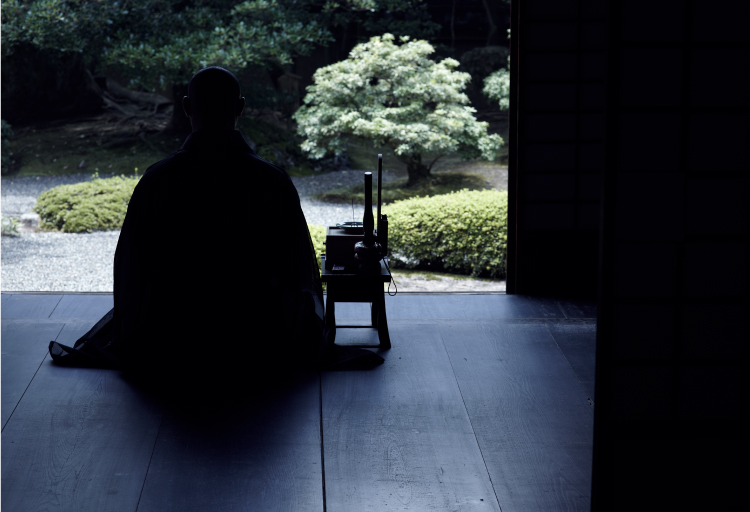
x=350 y=287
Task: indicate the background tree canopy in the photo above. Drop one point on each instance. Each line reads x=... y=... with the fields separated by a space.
x=160 y=42
x=157 y=43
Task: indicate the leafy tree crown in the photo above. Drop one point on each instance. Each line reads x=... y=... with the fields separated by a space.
x=497 y=87
x=393 y=94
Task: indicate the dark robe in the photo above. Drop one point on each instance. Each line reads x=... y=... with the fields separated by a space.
x=214 y=273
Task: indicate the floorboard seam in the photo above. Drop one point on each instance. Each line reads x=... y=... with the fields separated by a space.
x=471 y=423
x=322 y=447
x=153 y=449
x=57 y=304
x=30 y=381
x=591 y=400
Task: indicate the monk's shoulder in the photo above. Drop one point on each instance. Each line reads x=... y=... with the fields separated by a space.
x=173 y=161
x=270 y=168
x=273 y=175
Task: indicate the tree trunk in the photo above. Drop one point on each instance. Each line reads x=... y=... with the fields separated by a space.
x=180 y=123
x=418 y=172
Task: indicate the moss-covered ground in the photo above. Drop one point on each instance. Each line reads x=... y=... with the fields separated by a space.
x=86 y=146
x=109 y=144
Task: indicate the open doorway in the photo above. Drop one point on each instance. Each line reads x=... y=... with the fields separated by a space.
x=120 y=126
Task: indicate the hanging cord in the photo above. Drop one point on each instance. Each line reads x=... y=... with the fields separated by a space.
x=385 y=260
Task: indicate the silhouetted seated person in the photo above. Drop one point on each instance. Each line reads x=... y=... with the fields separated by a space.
x=215 y=275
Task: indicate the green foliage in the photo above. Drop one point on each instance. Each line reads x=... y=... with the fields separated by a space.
x=318 y=236
x=159 y=44
x=64 y=25
x=497 y=87
x=9 y=226
x=497 y=84
x=156 y=42
x=393 y=95
x=463 y=232
x=6 y=153
x=96 y=205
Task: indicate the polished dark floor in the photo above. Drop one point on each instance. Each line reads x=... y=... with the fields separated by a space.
x=485 y=402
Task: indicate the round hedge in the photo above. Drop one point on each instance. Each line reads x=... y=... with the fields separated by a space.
x=463 y=232
x=318 y=236
x=96 y=205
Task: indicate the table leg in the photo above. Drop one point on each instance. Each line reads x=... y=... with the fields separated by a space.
x=330 y=320
x=382 y=323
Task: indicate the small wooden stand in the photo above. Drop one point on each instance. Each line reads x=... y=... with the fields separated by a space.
x=350 y=287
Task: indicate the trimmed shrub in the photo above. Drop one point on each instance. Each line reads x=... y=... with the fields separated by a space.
x=96 y=205
x=318 y=236
x=463 y=232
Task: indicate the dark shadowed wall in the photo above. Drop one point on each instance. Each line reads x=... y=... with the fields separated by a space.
x=664 y=86
x=558 y=146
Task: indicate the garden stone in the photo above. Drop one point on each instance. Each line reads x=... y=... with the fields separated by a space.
x=30 y=222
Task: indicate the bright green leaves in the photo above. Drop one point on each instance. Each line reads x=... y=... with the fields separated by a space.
x=96 y=205
x=463 y=232
x=497 y=87
x=64 y=25
x=252 y=32
x=388 y=93
x=157 y=42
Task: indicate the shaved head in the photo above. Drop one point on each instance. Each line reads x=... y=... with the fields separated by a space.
x=214 y=97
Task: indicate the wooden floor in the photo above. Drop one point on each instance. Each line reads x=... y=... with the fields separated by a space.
x=485 y=402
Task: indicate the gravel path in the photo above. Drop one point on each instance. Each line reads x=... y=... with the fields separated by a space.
x=19 y=194
x=58 y=262
x=83 y=262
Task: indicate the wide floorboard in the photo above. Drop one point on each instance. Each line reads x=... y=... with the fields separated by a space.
x=24 y=348
x=399 y=436
x=262 y=455
x=485 y=402
x=533 y=423
x=80 y=439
